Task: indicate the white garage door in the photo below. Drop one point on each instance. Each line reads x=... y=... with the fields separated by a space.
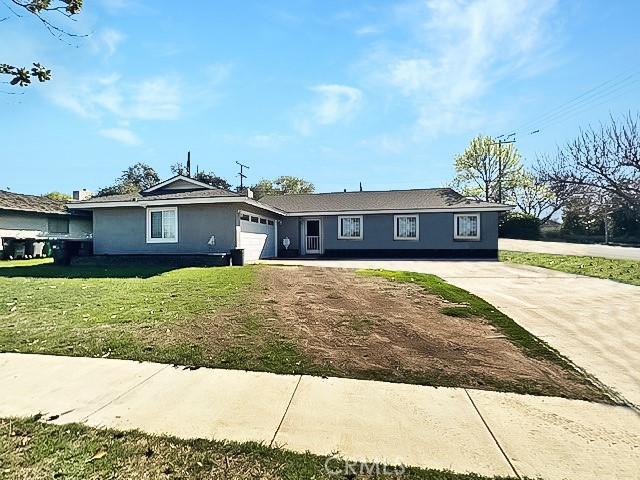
x=257 y=237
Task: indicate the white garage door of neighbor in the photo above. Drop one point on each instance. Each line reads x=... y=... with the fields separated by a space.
x=257 y=240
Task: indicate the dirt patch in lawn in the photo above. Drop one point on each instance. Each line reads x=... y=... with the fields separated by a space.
x=372 y=328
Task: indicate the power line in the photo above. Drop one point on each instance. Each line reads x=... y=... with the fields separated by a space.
x=593 y=94
x=607 y=97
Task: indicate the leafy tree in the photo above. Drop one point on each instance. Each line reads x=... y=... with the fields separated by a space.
x=43 y=10
x=135 y=178
x=209 y=178
x=63 y=197
x=284 y=185
x=536 y=198
x=488 y=171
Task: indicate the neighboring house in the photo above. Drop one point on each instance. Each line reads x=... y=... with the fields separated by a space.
x=181 y=216
x=28 y=219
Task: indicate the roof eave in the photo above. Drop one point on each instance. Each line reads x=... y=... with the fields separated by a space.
x=145 y=202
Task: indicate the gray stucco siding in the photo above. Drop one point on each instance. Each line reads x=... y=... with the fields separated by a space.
x=435 y=233
x=123 y=230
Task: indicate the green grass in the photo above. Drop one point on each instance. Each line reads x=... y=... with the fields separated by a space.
x=473 y=306
x=625 y=271
x=144 y=312
x=125 y=312
x=31 y=449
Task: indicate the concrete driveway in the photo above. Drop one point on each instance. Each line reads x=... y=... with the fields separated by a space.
x=593 y=322
x=561 y=248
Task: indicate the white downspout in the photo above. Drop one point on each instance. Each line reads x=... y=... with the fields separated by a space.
x=275 y=247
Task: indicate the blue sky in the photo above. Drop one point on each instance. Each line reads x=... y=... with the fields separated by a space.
x=337 y=92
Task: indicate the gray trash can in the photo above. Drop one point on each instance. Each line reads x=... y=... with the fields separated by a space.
x=237 y=257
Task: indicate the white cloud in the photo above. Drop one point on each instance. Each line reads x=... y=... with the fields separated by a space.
x=462 y=49
x=368 y=30
x=108 y=40
x=155 y=98
x=337 y=102
x=333 y=104
x=122 y=135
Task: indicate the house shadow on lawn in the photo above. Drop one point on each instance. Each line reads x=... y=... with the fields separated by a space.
x=101 y=266
x=49 y=270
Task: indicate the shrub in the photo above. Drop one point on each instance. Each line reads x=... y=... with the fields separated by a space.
x=519 y=225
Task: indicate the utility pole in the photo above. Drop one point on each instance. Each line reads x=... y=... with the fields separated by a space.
x=507 y=139
x=241 y=174
x=189 y=164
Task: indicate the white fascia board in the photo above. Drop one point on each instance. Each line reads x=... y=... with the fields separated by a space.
x=175 y=179
x=403 y=211
x=178 y=201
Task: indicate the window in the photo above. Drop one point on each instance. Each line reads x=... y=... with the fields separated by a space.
x=405 y=227
x=263 y=221
x=466 y=226
x=254 y=219
x=350 y=228
x=58 y=225
x=162 y=225
x=244 y=217
x=270 y=222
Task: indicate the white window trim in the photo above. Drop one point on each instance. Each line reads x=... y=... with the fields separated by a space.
x=161 y=240
x=395 y=227
x=455 y=226
x=340 y=237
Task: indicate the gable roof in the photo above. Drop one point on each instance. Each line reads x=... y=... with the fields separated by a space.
x=178 y=197
x=378 y=201
x=178 y=178
x=178 y=194
x=31 y=203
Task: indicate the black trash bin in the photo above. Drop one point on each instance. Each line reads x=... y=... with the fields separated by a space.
x=61 y=252
x=237 y=257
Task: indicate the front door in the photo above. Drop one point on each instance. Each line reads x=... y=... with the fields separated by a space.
x=312 y=237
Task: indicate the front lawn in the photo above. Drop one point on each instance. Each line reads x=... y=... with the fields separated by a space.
x=389 y=326
x=625 y=271
x=30 y=449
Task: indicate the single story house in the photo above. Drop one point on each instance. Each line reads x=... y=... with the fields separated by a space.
x=182 y=216
x=26 y=220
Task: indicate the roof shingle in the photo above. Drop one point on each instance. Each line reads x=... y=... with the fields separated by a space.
x=130 y=197
x=30 y=203
x=418 y=199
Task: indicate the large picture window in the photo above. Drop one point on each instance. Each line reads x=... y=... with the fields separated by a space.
x=162 y=225
x=466 y=226
x=350 y=228
x=406 y=227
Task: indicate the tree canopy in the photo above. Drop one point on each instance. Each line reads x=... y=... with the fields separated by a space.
x=135 y=178
x=488 y=171
x=604 y=160
x=58 y=196
x=283 y=185
x=43 y=10
x=209 y=178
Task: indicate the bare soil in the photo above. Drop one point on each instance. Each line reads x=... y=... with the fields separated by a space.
x=372 y=327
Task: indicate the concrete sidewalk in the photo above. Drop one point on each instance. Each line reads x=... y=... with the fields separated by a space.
x=462 y=430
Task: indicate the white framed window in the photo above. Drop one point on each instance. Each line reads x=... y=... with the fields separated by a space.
x=350 y=227
x=466 y=226
x=162 y=225
x=406 y=227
